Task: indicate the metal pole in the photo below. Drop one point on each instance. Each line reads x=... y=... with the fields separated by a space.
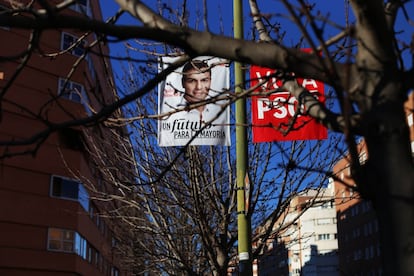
x=243 y=219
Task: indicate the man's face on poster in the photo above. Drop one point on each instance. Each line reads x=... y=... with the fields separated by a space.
x=196 y=85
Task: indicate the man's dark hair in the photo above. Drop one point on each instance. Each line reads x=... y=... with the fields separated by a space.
x=199 y=65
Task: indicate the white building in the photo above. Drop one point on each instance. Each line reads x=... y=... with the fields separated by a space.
x=310 y=241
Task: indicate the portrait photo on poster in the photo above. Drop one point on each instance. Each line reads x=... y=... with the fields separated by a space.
x=184 y=96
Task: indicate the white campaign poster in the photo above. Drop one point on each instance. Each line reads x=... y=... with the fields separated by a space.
x=182 y=103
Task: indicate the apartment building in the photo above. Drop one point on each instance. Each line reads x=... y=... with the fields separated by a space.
x=50 y=218
x=308 y=244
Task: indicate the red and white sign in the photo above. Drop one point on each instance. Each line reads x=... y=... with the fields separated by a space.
x=272 y=114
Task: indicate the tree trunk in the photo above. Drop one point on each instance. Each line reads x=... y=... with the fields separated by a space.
x=391 y=185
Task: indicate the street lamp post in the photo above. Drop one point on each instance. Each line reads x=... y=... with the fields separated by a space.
x=243 y=218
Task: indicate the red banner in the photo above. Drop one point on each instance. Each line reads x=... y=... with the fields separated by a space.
x=272 y=114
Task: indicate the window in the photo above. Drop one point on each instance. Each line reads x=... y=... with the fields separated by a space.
x=356 y=209
x=114 y=271
x=412 y=146
x=60 y=240
x=4 y=9
x=363 y=157
x=91 y=254
x=82 y=6
x=323 y=221
x=371 y=252
x=81 y=247
x=378 y=247
x=98 y=260
x=324 y=236
x=357 y=255
x=75 y=92
x=351 y=192
x=70 y=42
x=114 y=241
x=70 y=189
x=92 y=212
x=91 y=67
x=83 y=197
x=375 y=225
x=69 y=241
x=356 y=233
x=71 y=90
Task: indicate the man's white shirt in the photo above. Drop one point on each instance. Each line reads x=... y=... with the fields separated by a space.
x=211 y=126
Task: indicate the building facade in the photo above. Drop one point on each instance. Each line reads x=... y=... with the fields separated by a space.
x=308 y=245
x=50 y=220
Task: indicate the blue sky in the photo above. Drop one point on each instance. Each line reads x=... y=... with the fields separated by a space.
x=220 y=16
x=220 y=20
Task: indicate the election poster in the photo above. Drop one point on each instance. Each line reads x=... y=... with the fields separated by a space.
x=188 y=111
x=272 y=114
